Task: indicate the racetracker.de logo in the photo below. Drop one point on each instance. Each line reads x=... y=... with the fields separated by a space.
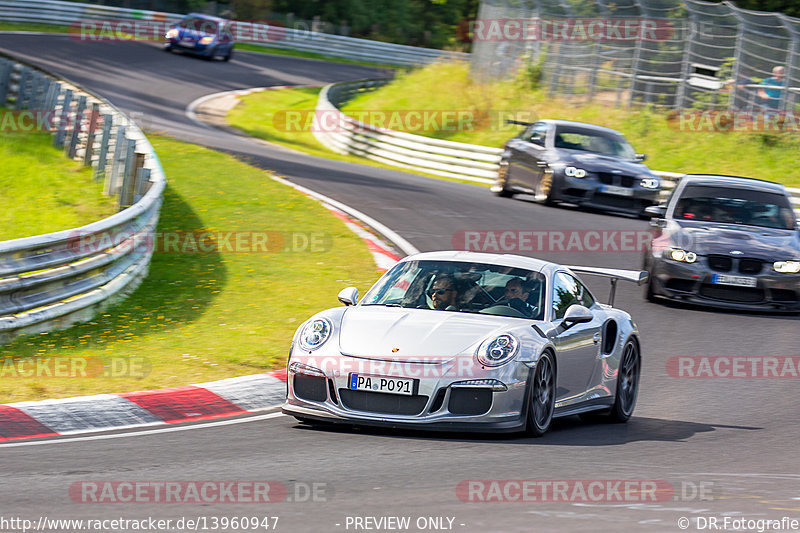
x=567 y=29
x=566 y=490
x=204 y=492
x=734 y=121
x=507 y=241
x=93 y=30
x=741 y=367
x=406 y=120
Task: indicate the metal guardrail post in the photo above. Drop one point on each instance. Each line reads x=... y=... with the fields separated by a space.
x=5 y=80
x=102 y=159
x=112 y=179
x=22 y=88
x=77 y=124
x=132 y=159
x=142 y=183
x=63 y=119
x=94 y=114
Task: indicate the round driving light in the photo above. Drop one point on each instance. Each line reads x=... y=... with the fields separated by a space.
x=678 y=255
x=691 y=257
x=497 y=351
x=314 y=334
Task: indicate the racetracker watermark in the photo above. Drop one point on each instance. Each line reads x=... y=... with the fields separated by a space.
x=158 y=30
x=201 y=492
x=73 y=367
x=600 y=241
x=734 y=121
x=200 y=242
x=409 y=121
x=741 y=367
x=459 y=366
x=583 y=490
x=568 y=29
x=39 y=120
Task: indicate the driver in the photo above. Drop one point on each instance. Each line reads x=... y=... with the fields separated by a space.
x=444 y=293
x=516 y=296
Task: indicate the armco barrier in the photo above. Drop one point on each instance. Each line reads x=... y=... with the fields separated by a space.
x=72 y=13
x=51 y=281
x=434 y=156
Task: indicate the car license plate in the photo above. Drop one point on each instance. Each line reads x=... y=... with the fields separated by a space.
x=740 y=281
x=382 y=384
x=619 y=191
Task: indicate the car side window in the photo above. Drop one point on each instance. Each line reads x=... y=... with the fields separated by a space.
x=538 y=134
x=569 y=291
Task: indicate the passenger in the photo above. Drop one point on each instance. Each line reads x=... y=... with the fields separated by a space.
x=516 y=295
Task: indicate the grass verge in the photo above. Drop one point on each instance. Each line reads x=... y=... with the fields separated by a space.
x=442 y=86
x=262 y=115
x=311 y=55
x=206 y=316
x=43 y=191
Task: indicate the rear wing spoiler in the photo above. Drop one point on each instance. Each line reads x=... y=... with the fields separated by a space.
x=638 y=277
x=518 y=122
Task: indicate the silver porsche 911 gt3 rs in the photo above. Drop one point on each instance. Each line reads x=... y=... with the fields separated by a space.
x=467 y=341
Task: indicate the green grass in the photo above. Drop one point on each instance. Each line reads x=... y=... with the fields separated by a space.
x=43 y=191
x=448 y=87
x=263 y=115
x=311 y=55
x=32 y=26
x=205 y=316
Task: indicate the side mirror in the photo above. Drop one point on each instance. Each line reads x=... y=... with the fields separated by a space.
x=348 y=296
x=639 y=157
x=577 y=314
x=656 y=211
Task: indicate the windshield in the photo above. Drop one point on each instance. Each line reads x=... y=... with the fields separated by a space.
x=727 y=205
x=598 y=142
x=461 y=287
x=200 y=25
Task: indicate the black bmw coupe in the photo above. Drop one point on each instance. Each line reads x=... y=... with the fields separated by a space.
x=726 y=241
x=579 y=163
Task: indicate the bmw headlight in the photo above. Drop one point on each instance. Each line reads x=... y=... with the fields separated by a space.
x=206 y=40
x=498 y=350
x=676 y=254
x=314 y=334
x=787 y=267
x=650 y=183
x=574 y=172
x=172 y=33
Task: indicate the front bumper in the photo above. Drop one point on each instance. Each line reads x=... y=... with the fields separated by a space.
x=588 y=192
x=440 y=402
x=692 y=282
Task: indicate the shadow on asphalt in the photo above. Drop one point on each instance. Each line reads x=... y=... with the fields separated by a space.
x=567 y=431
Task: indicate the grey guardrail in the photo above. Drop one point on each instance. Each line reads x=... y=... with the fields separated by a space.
x=50 y=281
x=73 y=13
x=346 y=135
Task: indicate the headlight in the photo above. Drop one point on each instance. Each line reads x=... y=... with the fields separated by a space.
x=573 y=172
x=314 y=334
x=787 y=267
x=206 y=40
x=651 y=183
x=497 y=351
x=172 y=33
x=676 y=254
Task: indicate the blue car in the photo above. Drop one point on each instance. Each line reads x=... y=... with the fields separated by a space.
x=202 y=35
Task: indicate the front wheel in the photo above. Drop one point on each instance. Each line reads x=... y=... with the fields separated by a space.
x=544 y=189
x=630 y=366
x=500 y=185
x=542 y=397
x=228 y=55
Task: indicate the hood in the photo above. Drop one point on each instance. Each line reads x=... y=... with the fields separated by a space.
x=417 y=334
x=603 y=163
x=707 y=238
